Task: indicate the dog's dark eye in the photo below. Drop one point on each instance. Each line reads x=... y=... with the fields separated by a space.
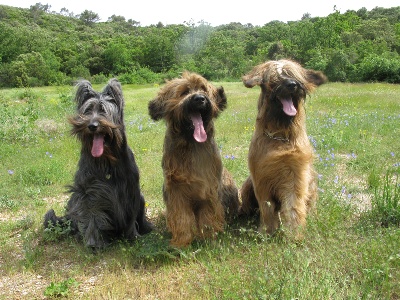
x=102 y=109
x=88 y=110
x=185 y=93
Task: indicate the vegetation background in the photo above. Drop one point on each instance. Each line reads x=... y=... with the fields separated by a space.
x=40 y=47
x=352 y=244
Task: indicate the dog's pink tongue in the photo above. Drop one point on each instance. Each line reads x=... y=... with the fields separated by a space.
x=98 y=145
x=288 y=106
x=199 y=134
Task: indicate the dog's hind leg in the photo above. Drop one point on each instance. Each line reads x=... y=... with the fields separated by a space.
x=230 y=196
x=293 y=214
x=249 y=204
x=210 y=219
x=144 y=226
x=269 y=218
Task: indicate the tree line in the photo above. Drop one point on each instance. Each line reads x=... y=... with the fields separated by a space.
x=40 y=47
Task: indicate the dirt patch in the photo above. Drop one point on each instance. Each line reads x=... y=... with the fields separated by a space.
x=61 y=199
x=22 y=286
x=354 y=189
x=47 y=126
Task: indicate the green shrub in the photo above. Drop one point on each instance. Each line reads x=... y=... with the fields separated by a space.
x=386 y=202
x=57 y=231
x=378 y=68
x=140 y=76
x=61 y=288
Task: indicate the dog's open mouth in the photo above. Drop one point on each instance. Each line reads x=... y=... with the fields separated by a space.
x=98 y=145
x=199 y=133
x=288 y=106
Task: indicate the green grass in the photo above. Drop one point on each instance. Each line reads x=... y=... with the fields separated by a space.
x=352 y=242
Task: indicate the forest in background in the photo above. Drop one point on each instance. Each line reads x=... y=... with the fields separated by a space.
x=40 y=47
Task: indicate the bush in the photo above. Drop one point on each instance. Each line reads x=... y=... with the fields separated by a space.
x=80 y=72
x=140 y=76
x=338 y=66
x=31 y=70
x=386 y=202
x=99 y=79
x=378 y=68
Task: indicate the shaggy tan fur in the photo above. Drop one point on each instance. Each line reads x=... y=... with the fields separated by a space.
x=199 y=193
x=282 y=182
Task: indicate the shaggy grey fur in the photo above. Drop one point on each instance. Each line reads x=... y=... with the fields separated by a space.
x=106 y=201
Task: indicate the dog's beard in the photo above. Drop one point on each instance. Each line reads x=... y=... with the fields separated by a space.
x=108 y=135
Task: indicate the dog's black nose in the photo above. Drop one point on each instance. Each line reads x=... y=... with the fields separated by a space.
x=291 y=84
x=199 y=98
x=93 y=126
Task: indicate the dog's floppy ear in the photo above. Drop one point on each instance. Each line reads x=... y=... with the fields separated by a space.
x=221 y=98
x=257 y=76
x=250 y=81
x=156 y=109
x=316 y=77
x=114 y=90
x=84 y=92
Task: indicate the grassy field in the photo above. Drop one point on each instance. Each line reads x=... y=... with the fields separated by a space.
x=352 y=244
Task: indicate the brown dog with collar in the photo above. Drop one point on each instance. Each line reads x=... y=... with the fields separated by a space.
x=199 y=193
x=282 y=182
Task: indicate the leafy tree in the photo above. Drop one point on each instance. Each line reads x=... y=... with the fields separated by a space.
x=318 y=59
x=66 y=12
x=353 y=46
x=306 y=16
x=223 y=55
x=276 y=50
x=16 y=40
x=89 y=17
x=377 y=30
x=362 y=13
x=28 y=70
x=338 y=66
x=38 y=10
x=380 y=68
x=117 y=19
x=273 y=32
x=160 y=47
x=117 y=58
x=133 y=23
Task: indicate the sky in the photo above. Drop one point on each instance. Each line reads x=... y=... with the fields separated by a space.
x=214 y=12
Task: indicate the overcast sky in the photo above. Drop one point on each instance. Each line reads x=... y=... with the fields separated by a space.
x=215 y=12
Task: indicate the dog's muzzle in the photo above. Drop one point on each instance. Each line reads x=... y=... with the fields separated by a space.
x=290 y=84
x=286 y=93
x=93 y=125
x=198 y=102
x=198 y=106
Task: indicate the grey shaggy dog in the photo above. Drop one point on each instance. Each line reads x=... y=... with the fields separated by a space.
x=106 y=201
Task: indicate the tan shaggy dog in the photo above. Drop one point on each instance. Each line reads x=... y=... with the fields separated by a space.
x=282 y=183
x=198 y=192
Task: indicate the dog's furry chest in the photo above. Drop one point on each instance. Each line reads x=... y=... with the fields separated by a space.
x=191 y=162
x=265 y=151
x=112 y=174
